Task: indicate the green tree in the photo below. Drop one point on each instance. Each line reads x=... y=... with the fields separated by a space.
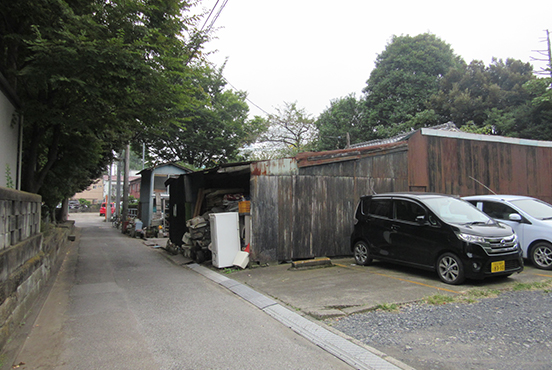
x=290 y=131
x=534 y=120
x=210 y=132
x=491 y=98
x=90 y=74
x=340 y=122
x=406 y=75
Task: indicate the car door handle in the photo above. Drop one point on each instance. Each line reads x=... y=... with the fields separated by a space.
x=395 y=227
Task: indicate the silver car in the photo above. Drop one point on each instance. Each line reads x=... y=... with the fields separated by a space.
x=530 y=218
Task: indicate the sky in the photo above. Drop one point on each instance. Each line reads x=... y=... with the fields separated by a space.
x=312 y=52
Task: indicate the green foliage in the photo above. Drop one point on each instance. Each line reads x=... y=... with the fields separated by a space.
x=84 y=202
x=537 y=285
x=132 y=200
x=439 y=299
x=389 y=307
x=477 y=97
x=209 y=132
x=406 y=75
x=288 y=132
x=342 y=118
x=91 y=76
x=9 y=179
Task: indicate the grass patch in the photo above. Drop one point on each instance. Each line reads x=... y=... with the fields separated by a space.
x=387 y=307
x=230 y=270
x=537 y=285
x=439 y=299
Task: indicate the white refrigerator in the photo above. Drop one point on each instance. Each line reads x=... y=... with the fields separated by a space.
x=225 y=238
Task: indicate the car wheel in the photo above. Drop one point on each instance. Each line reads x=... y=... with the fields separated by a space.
x=450 y=269
x=362 y=254
x=541 y=255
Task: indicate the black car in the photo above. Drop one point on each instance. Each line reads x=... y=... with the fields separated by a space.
x=434 y=232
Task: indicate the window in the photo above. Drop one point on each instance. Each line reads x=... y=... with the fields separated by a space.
x=408 y=211
x=498 y=210
x=381 y=207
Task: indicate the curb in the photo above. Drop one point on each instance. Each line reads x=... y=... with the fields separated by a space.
x=353 y=354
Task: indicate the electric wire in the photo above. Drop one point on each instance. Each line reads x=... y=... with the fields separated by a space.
x=246 y=98
x=216 y=16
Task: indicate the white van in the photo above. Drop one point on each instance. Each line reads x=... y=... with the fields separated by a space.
x=530 y=218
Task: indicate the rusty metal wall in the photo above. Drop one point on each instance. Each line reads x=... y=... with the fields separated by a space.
x=310 y=214
x=505 y=168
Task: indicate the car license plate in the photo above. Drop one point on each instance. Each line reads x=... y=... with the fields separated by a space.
x=498 y=266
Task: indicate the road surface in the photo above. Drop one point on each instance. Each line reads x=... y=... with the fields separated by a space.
x=119 y=304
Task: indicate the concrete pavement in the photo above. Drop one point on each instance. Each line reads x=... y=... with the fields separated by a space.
x=346 y=288
x=118 y=304
x=341 y=289
x=294 y=297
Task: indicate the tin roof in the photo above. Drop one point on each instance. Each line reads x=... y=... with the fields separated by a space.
x=399 y=142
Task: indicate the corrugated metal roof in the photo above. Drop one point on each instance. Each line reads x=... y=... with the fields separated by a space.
x=449 y=126
x=317 y=158
x=490 y=138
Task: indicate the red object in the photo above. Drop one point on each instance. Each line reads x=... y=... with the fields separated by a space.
x=247 y=249
x=102 y=208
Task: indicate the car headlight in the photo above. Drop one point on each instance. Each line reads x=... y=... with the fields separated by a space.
x=470 y=238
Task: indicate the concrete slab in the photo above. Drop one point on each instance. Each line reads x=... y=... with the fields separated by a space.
x=347 y=288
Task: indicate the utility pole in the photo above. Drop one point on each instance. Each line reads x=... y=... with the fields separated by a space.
x=108 y=203
x=118 y=197
x=125 y=184
x=549 y=53
x=548 y=60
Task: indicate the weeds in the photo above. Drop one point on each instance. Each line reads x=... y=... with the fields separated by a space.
x=387 y=307
x=438 y=299
x=537 y=285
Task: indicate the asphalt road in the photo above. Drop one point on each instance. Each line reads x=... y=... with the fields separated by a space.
x=118 y=304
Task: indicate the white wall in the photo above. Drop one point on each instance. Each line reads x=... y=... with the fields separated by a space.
x=9 y=137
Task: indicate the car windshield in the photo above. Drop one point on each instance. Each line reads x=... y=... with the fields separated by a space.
x=457 y=211
x=535 y=208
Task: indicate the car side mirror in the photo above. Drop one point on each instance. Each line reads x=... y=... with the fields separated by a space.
x=514 y=217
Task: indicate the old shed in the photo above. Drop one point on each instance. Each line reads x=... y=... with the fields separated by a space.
x=152 y=186
x=303 y=207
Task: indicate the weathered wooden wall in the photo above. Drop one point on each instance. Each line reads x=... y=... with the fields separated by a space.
x=309 y=213
x=445 y=165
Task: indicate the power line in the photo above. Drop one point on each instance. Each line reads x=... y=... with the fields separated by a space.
x=246 y=98
x=207 y=31
x=211 y=13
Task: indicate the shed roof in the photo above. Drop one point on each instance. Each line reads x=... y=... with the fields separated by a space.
x=153 y=168
x=399 y=142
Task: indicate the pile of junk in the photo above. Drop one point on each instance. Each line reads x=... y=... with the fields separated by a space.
x=196 y=241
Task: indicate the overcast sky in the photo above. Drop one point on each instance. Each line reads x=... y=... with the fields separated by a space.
x=312 y=52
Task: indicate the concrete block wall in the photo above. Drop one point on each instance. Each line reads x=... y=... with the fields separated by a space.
x=28 y=258
x=19 y=216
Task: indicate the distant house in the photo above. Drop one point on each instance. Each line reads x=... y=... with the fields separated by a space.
x=153 y=189
x=11 y=137
x=94 y=192
x=134 y=187
x=97 y=191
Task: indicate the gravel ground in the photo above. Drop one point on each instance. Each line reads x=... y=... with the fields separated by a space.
x=512 y=331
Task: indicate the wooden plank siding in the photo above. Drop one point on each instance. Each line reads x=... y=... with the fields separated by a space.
x=504 y=167
x=310 y=214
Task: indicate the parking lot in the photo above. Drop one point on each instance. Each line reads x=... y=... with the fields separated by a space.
x=346 y=288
